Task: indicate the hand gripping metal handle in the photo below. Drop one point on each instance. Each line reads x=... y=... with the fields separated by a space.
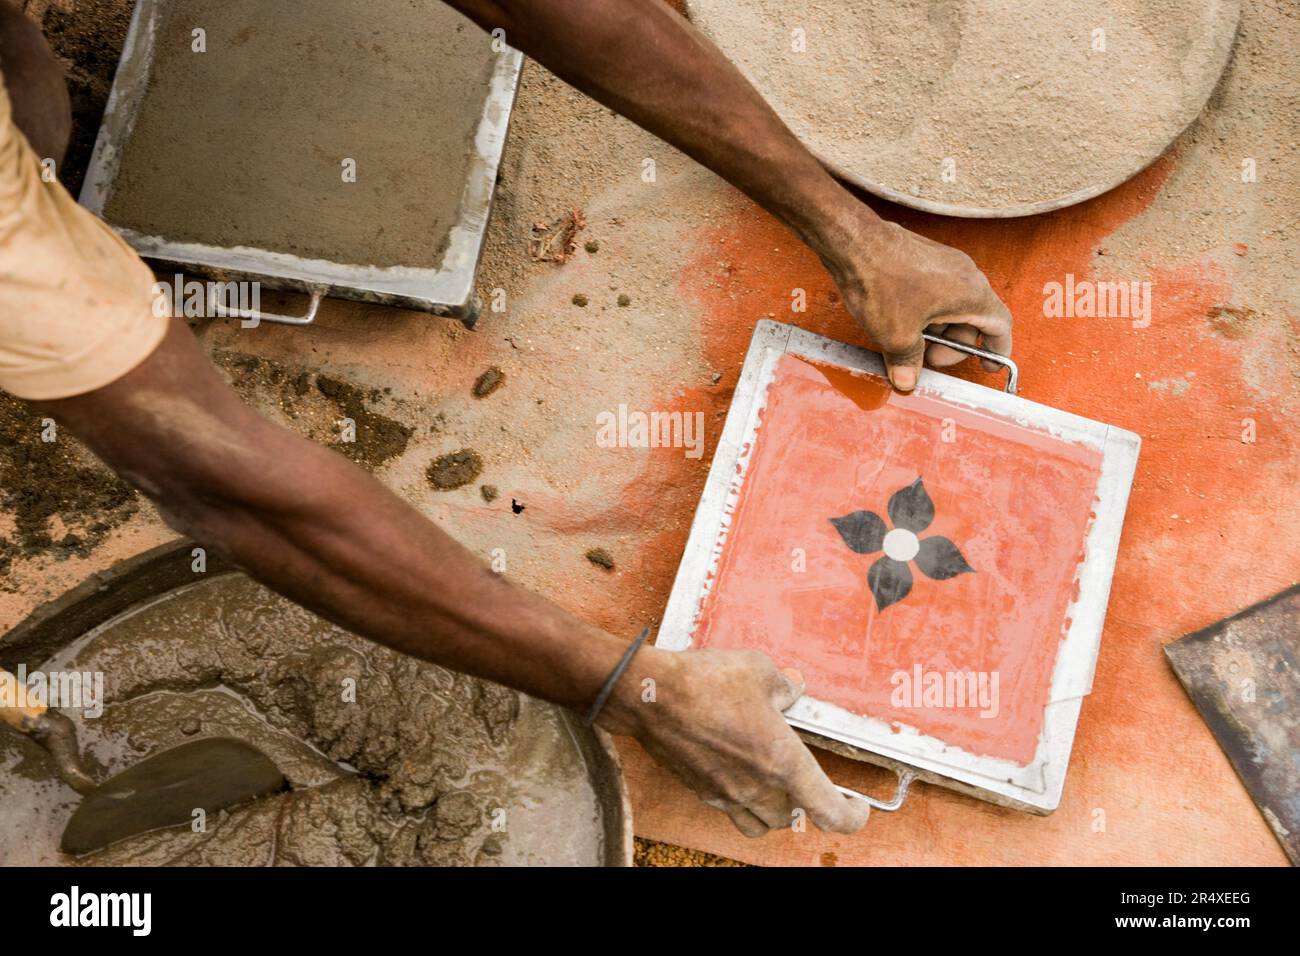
x=905 y=778
x=1013 y=373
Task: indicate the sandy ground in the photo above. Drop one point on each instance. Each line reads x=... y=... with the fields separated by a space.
x=1210 y=385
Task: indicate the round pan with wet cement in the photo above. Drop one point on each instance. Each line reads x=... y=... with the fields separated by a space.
x=980 y=108
x=425 y=754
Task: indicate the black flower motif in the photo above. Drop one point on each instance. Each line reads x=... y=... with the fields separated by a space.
x=910 y=511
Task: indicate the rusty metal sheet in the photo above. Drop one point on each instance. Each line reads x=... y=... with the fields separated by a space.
x=1242 y=676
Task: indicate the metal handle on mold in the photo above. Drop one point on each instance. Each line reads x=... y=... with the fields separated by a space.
x=256 y=315
x=1013 y=373
x=905 y=778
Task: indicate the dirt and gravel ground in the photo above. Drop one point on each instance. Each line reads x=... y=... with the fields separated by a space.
x=650 y=853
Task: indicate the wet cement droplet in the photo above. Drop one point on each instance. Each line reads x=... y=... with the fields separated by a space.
x=455 y=470
x=489 y=382
x=379 y=439
x=601 y=558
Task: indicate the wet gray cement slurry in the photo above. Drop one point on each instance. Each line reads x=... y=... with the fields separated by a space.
x=390 y=761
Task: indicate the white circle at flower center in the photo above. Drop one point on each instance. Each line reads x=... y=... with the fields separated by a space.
x=901 y=544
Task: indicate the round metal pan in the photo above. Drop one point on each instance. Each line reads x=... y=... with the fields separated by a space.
x=1195 y=74
x=148 y=576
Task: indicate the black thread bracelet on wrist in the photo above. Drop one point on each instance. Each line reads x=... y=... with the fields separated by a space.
x=608 y=687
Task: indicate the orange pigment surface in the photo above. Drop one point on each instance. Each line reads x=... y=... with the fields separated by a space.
x=1016 y=502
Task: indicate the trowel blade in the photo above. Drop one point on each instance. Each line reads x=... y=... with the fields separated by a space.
x=164 y=790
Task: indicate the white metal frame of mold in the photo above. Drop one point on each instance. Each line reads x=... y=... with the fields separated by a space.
x=447 y=290
x=1035 y=787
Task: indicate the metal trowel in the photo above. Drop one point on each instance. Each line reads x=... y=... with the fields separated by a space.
x=162 y=790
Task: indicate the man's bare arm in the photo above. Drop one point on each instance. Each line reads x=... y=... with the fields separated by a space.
x=324 y=533
x=645 y=61
x=41 y=108
x=311 y=525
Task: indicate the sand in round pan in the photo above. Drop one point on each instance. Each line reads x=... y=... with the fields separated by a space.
x=980 y=108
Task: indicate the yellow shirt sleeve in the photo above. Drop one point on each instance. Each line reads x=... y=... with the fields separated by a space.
x=76 y=302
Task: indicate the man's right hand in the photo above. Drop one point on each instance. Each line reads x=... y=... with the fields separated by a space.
x=654 y=67
x=716 y=721
x=899 y=285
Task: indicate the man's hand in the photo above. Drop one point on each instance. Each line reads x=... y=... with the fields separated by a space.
x=651 y=65
x=716 y=722
x=898 y=285
x=308 y=523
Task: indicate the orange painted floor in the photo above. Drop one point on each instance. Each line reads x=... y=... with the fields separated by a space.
x=1211 y=528
x=1210 y=384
